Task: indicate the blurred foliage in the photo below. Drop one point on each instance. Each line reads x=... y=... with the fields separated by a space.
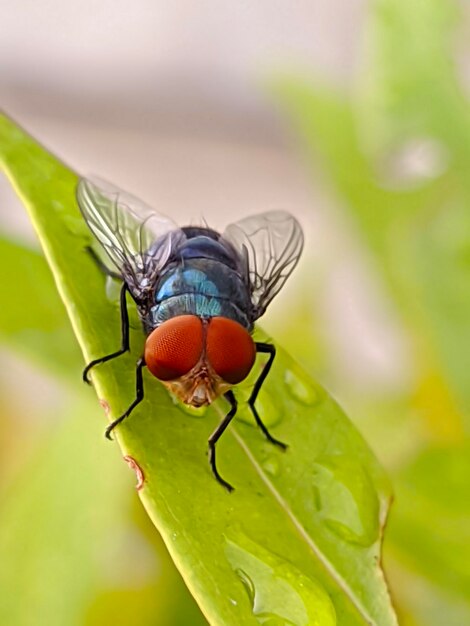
x=66 y=521
x=48 y=338
x=61 y=551
x=397 y=154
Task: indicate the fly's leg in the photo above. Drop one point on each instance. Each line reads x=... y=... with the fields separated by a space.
x=266 y=348
x=214 y=438
x=124 y=337
x=139 y=396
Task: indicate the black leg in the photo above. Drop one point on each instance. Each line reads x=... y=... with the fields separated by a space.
x=124 y=337
x=271 y=350
x=103 y=267
x=139 y=396
x=214 y=438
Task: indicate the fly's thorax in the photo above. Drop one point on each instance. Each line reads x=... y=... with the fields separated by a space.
x=205 y=287
x=199 y=359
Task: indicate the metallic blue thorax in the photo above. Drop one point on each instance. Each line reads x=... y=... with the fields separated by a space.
x=204 y=278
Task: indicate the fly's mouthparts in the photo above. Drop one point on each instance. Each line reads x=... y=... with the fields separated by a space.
x=200 y=396
x=202 y=392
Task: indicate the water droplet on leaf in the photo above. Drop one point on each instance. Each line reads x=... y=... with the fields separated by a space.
x=186 y=408
x=346 y=499
x=268 y=410
x=300 y=387
x=74 y=224
x=414 y=162
x=113 y=290
x=279 y=594
x=192 y=410
x=271 y=465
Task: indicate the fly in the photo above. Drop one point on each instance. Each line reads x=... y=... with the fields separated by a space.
x=198 y=294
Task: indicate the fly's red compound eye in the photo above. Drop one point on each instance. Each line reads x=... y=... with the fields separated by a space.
x=229 y=349
x=175 y=347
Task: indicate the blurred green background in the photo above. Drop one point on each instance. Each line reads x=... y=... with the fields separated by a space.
x=356 y=119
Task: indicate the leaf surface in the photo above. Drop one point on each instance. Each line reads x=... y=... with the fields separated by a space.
x=298 y=542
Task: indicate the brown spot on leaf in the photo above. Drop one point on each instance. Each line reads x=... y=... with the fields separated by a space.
x=138 y=471
x=105 y=406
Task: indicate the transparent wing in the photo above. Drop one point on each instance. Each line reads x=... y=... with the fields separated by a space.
x=270 y=245
x=138 y=240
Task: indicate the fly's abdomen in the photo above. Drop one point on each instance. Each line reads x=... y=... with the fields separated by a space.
x=202 y=287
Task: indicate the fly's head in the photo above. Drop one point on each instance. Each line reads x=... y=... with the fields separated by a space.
x=199 y=359
x=199 y=387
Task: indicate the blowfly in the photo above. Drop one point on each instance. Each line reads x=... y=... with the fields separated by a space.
x=198 y=293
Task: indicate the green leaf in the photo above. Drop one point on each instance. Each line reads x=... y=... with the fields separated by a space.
x=444 y=501
x=69 y=461
x=306 y=524
x=418 y=239
x=414 y=91
x=35 y=321
x=418 y=231
x=415 y=229
x=52 y=536
x=410 y=86
x=64 y=562
x=428 y=544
